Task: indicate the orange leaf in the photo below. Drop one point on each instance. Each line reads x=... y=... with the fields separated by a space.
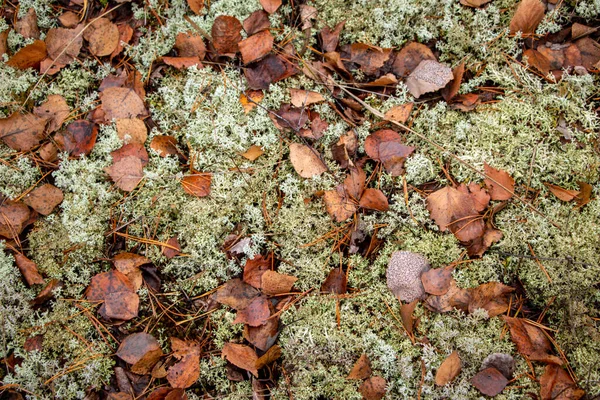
x=226 y=34
x=361 y=369
x=197 y=185
x=274 y=283
x=448 y=370
x=241 y=356
x=502 y=178
x=373 y=388
x=374 y=199
x=528 y=16
x=187 y=371
x=256 y=46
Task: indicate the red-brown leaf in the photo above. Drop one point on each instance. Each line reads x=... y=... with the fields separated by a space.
x=274 y=283
x=270 y=6
x=497 y=192
x=127 y=173
x=490 y=381
x=530 y=341
x=197 y=185
x=29 y=56
x=22 y=132
x=236 y=294
x=331 y=37
x=270 y=69
x=255 y=314
x=14 y=217
x=409 y=57
x=437 y=281
x=528 y=16
x=386 y=146
x=374 y=199
x=28 y=269
x=63 y=44
x=256 y=22
x=373 y=388
x=241 y=356
x=361 y=369
x=44 y=198
x=491 y=296
x=557 y=384
x=141 y=350
x=335 y=282
x=256 y=46
x=186 y=372
x=226 y=34
x=448 y=370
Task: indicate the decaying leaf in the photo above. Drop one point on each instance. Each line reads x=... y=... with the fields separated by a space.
x=55 y=109
x=448 y=370
x=538 y=61
x=256 y=22
x=103 y=37
x=79 y=137
x=190 y=45
x=236 y=294
x=122 y=102
x=306 y=160
x=253 y=153
x=44 y=198
x=406 y=314
x=197 y=185
x=557 y=384
x=270 y=6
x=437 y=281
x=256 y=46
x=250 y=99
x=129 y=264
x=173 y=248
x=496 y=191
x=409 y=57
x=164 y=145
x=241 y=356
x=361 y=369
x=29 y=56
x=301 y=98
x=429 y=76
x=141 y=350
x=270 y=69
x=22 y=132
x=127 y=173
x=374 y=199
x=373 y=388
x=131 y=149
x=263 y=336
x=269 y=357
x=226 y=34
x=338 y=204
x=455 y=297
x=63 y=45
x=331 y=37
x=490 y=381
x=491 y=296
x=530 y=341
x=186 y=372
x=132 y=130
x=274 y=283
x=28 y=269
x=335 y=283
x=255 y=314
x=255 y=268
x=14 y=217
x=196 y=6
x=118 y=294
x=528 y=16
x=370 y=58
x=386 y=146
x=27 y=26
x=399 y=113
x=474 y=3
x=562 y=193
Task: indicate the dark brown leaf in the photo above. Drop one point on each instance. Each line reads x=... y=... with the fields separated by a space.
x=386 y=146
x=256 y=22
x=373 y=388
x=490 y=381
x=409 y=57
x=264 y=336
x=28 y=269
x=451 y=209
x=107 y=282
x=197 y=185
x=47 y=292
x=236 y=294
x=331 y=37
x=270 y=69
x=369 y=58
x=530 y=341
x=451 y=90
x=557 y=384
x=335 y=282
x=141 y=350
x=174 y=250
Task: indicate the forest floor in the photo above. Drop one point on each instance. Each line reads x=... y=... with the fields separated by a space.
x=325 y=199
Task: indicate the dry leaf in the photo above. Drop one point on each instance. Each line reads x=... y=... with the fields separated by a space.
x=182 y=62
x=132 y=149
x=29 y=56
x=132 y=130
x=236 y=294
x=373 y=388
x=120 y=305
x=374 y=199
x=399 y=113
x=557 y=384
x=530 y=341
x=250 y=99
x=79 y=137
x=14 y=217
x=538 y=61
x=121 y=102
x=338 y=204
x=528 y=16
x=474 y=3
x=196 y=6
x=256 y=22
x=270 y=69
x=361 y=369
x=44 y=198
x=274 y=283
x=335 y=283
x=406 y=312
x=47 y=292
x=27 y=26
x=241 y=356
x=197 y=185
x=409 y=57
x=141 y=350
x=579 y=30
x=590 y=52
x=451 y=90
x=306 y=161
x=269 y=357
x=455 y=297
x=226 y=34
x=264 y=336
x=256 y=46
x=129 y=264
x=490 y=381
x=437 y=281
x=502 y=178
x=186 y=372
x=491 y=296
x=190 y=45
x=253 y=153
x=55 y=109
x=331 y=37
x=429 y=76
x=369 y=58
x=454 y=210
x=173 y=250
x=28 y=269
x=22 y=132
x=164 y=145
x=103 y=37
x=386 y=146
x=270 y=6
x=561 y=193
x=301 y=98
x=255 y=314
x=63 y=45
x=127 y=173
x=255 y=268
x=448 y=370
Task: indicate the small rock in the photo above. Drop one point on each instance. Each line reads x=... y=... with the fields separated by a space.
x=404 y=275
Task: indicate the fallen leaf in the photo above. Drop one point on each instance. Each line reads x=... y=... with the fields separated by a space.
x=253 y=153
x=301 y=98
x=131 y=130
x=236 y=294
x=491 y=296
x=451 y=90
x=335 y=283
x=561 y=193
x=79 y=138
x=383 y=81
x=369 y=58
x=14 y=217
x=451 y=209
x=557 y=384
x=47 y=292
x=127 y=173
x=399 y=113
x=505 y=363
x=307 y=15
x=174 y=250
x=256 y=46
x=63 y=45
x=121 y=102
x=409 y=57
x=429 y=76
x=579 y=30
x=44 y=198
x=189 y=44
x=331 y=37
x=479 y=196
x=255 y=268
x=538 y=61
x=117 y=292
x=141 y=350
x=455 y=297
x=164 y=145
x=406 y=312
x=27 y=26
x=374 y=199
x=373 y=388
x=125 y=35
x=29 y=56
x=288 y=117
x=129 y=264
x=489 y=382
x=500 y=177
x=361 y=369
x=345 y=149
x=338 y=204
x=270 y=69
x=448 y=370
x=585 y=194
x=590 y=52
x=386 y=146
x=241 y=356
x=22 y=132
x=55 y=109
x=103 y=37
x=197 y=185
x=34 y=343
x=182 y=62
x=134 y=149
x=4 y=42
x=255 y=314
x=263 y=336
x=226 y=34
x=528 y=16
x=250 y=99
x=274 y=283
x=474 y=3
x=186 y=372
x=28 y=269
x=269 y=357
x=306 y=160
x=196 y=6
x=437 y=281
x=530 y=341
x=256 y=22
x=120 y=305
x=68 y=19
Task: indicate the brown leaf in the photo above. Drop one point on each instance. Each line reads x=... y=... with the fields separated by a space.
x=528 y=16
x=68 y=19
x=480 y=197
x=451 y=209
x=34 y=343
x=29 y=56
x=429 y=76
x=386 y=146
x=555 y=57
x=127 y=173
x=369 y=58
x=307 y=15
x=590 y=52
x=361 y=369
x=28 y=269
x=256 y=46
x=120 y=305
x=530 y=340
x=491 y=296
x=399 y=113
x=46 y=293
x=474 y=3
x=129 y=264
x=437 y=281
x=55 y=109
x=250 y=99
x=331 y=37
x=44 y=198
x=383 y=81
x=338 y=204
x=373 y=388
x=263 y=336
x=125 y=35
x=4 y=43
x=174 y=249
x=269 y=357
x=538 y=61
x=335 y=282
x=306 y=160
x=79 y=137
x=197 y=185
x=226 y=34
x=451 y=90
x=270 y=69
x=103 y=37
x=134 y=149
x=490 y=381
x=557 y=384
x=255 y=314
x=141 y=350
x=189 y=44
x=579 y=30
x=270 y=6
x=132 y=130
x=301 y=98
x=182 y=62
x=374 y=199
x=164 y=145
x=196 y=6
x=274 y=283
x=253 y=153
x=121 y=102
x=288 y=117
x=255 y=268
x=14 y=217
x=345 y=149
x=236 y=294
x=22 y=132
x=455 y=297
x=409 y=57
x=354 y=184
x=241 y=356
x=187 y=371
x=27 y=26
x=256 y=22
x=561 y=193
x=585 y=194
x=502 y=178
x=406 y=312
x=63 y=45
x=448 y=370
